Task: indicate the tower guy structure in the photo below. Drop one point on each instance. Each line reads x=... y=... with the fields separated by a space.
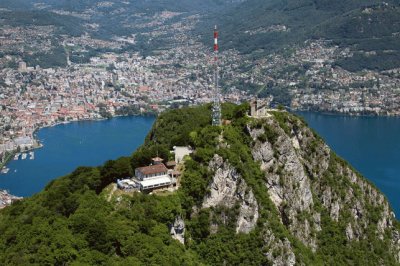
x=216 y=110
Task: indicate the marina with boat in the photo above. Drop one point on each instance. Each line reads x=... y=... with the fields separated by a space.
x=4 y=170
x=18 y=156
x=24 y=155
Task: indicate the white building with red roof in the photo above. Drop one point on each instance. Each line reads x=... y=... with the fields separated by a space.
x=153 y=176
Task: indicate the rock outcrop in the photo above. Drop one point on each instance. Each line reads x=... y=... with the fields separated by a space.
x=280 y=252
x=227 y=189
x=177 y=229
x=285 y=176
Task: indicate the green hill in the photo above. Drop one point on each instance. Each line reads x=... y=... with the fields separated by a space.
x=65 y=24
x=254 y=192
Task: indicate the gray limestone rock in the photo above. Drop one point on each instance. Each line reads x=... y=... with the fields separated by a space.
x=228 y=188
x=177 y=229
x=298 y=168
x=279 y=252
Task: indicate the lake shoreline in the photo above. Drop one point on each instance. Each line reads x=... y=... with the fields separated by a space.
x=342 y=114
x=37 y=144
x=67 y=146
x=368 y=143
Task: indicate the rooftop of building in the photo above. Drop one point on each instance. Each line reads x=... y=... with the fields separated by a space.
x=152 y=169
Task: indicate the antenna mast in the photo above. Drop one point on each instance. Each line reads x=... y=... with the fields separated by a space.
x=216 y=111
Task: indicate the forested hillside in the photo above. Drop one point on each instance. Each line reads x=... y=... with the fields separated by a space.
x=256 y=27
x=134 y=5
x=255 y=192
x=77 y=13
x=97 y=20
x=261 y=27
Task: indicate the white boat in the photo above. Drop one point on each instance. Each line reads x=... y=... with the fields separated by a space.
x=24 y=155
x=32 y=155
x=16 y=156
x=5 y=170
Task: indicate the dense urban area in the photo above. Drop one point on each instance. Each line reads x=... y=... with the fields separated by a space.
x=108 y=85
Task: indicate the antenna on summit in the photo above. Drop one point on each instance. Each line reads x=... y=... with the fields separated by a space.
x=216 y=111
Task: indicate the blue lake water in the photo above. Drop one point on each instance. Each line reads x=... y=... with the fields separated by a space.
x=370 y=144
x=67 y=146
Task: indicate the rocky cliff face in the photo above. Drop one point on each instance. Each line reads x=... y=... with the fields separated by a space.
x=287 y=181
x=304 y=179
x=229 y=189
x=282 y=248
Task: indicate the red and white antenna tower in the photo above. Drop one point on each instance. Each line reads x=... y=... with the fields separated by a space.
x=215 y=41
x=216 y=112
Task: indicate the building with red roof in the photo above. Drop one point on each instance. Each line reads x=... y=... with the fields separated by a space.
x=153 y=176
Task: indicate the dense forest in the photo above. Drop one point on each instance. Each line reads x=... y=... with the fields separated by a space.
x=76 y=221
